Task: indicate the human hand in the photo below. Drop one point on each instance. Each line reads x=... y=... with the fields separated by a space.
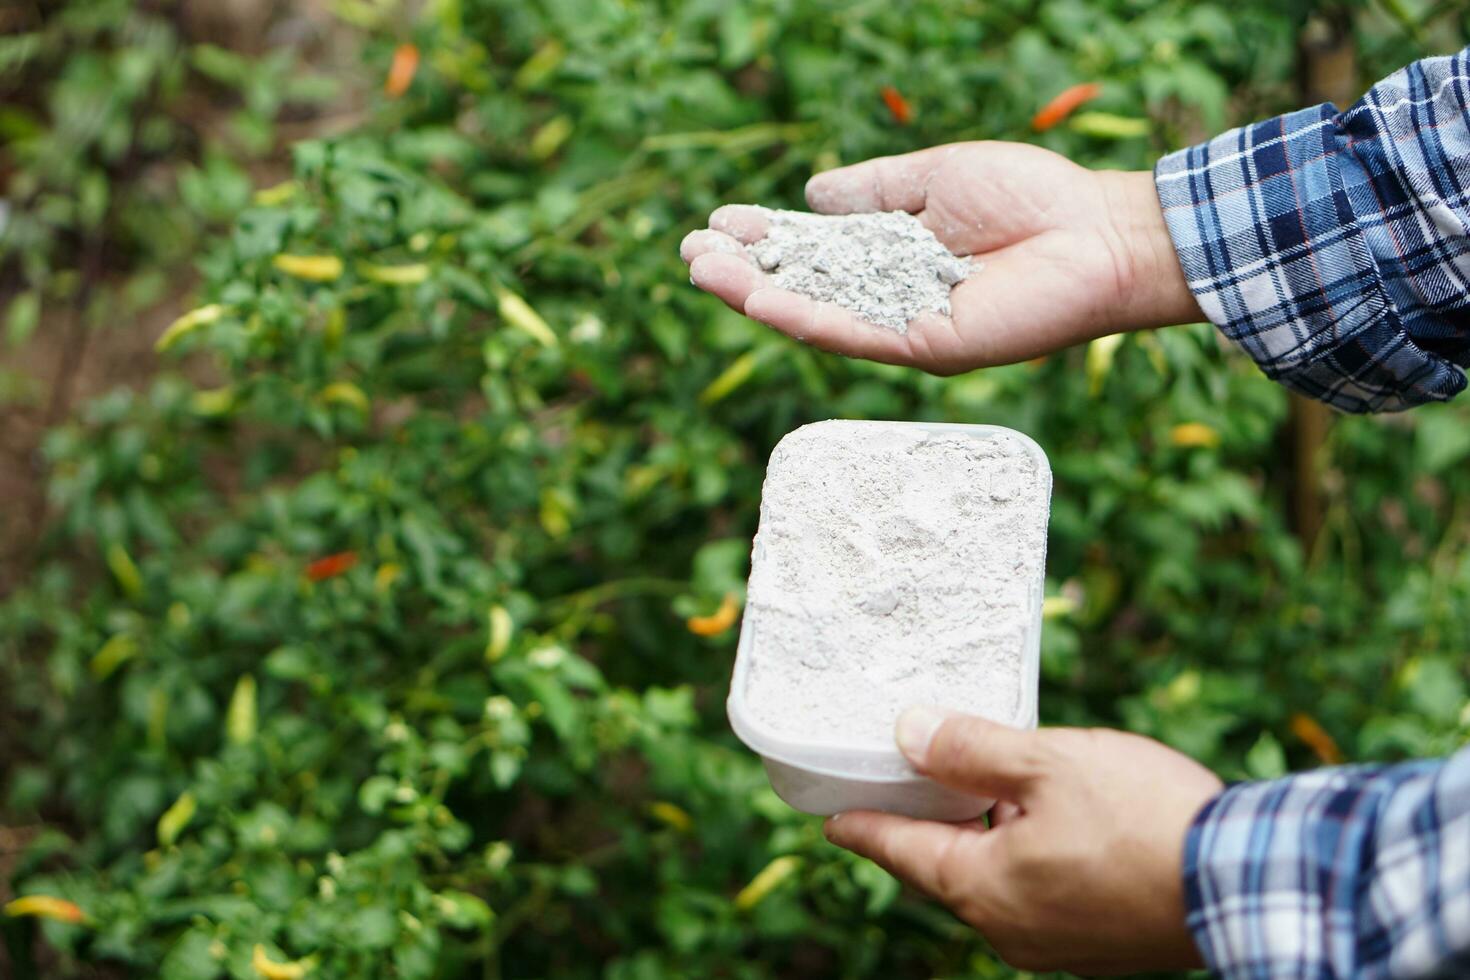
x=1068 y=255
x=1081 y=866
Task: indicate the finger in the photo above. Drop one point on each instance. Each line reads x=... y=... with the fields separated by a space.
x=897 y=183
x=1003 y=813
x=929 y=855
x=705 y=240
x=827 y=326
x=730 y=277
x=972 y=754
x=745 y=223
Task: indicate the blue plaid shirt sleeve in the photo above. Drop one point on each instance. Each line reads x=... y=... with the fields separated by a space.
x=1334 y=247
x=1347 y=872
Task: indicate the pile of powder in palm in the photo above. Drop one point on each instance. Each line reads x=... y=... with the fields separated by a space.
x=886 y=266
x=892 y=567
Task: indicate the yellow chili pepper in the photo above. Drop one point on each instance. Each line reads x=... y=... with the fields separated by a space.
x=213 y=402
x=269 y=197
x=313 y=268
x=129 y=579
x=45 y=907
x=549 y=138
x=385 y=576
x=674 y=816
x=394 y=275
x=187 y=324
x=1105 y=125
x=241 y=718
x=766 y=881
x=345 y=393
x=118 y=650
x=1057 y=606
x=556 y=512
x=1194 y=435
x=275 y=970
x=176 y=818
x=501 y=627
x=1100 y=353
x=519 y=314
x=736 y=374
x=540 y=65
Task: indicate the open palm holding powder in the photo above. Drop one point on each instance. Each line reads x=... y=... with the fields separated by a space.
x=1066 y=255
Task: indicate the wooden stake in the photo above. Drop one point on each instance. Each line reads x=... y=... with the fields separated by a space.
x=1328 y=73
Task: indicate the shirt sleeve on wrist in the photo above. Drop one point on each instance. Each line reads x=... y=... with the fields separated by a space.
x=1346 y=872
x=1318 y=242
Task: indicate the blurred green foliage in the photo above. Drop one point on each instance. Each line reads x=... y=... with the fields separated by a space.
x=121 y=142
x=373 y=656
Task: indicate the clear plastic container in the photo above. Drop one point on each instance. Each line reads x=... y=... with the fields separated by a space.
x=830 y=777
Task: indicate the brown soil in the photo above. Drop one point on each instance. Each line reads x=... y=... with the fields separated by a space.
x=65 y=367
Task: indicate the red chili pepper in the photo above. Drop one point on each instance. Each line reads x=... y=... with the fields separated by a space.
x=400 y=73
x=1065 y=103
x=897 y=105
x=331 y=566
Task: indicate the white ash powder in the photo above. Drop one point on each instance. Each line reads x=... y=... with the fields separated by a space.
x=892 y=567
x=885 y=266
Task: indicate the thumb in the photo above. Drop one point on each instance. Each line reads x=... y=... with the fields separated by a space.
x=971 y=754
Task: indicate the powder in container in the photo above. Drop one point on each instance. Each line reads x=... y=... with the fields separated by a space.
x=893 y=566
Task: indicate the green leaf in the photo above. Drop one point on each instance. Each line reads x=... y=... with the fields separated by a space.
x=22 y=317
x=374 y=927
x=561 y=708
x=422 y=543
x=1436 y=687
x=1441 y=438
x=375 y=792
x=578 y=880
x=1266 y=759
x=191 y=958
x=462 y=910
x=882 y=887
x=505 y=767
x=720 y=567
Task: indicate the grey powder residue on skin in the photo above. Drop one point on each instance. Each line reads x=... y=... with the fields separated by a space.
x=886 y=266
x=892 y=567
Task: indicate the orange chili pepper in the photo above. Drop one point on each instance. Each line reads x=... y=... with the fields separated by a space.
x=401 y=71
x=1306 y=728
x=897 y=105
x=718 y=621
x=331 y=566
x=1065 y=103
